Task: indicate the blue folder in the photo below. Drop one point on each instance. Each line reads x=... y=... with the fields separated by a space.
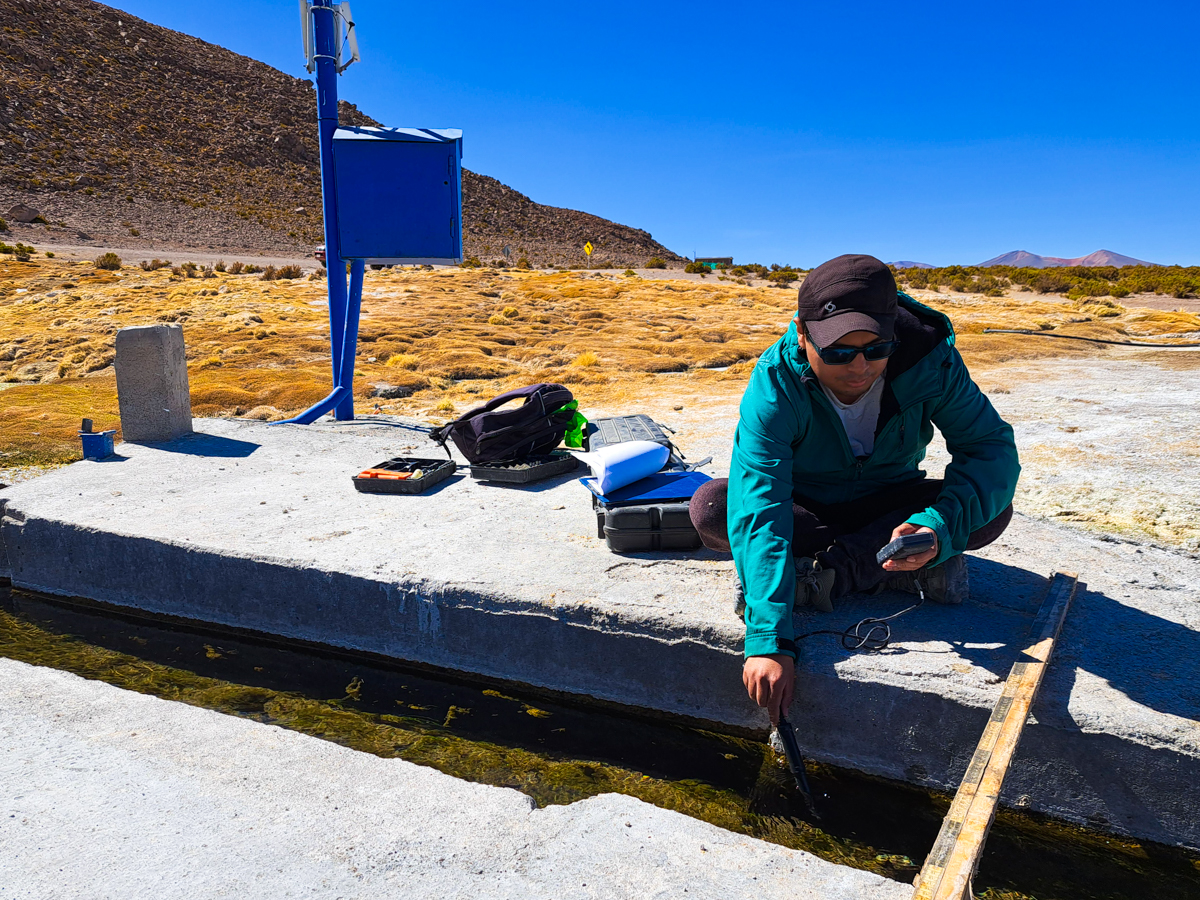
x=661 y=487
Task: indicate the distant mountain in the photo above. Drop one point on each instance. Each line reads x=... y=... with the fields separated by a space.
x=909 y=264
x=1107 y=258
x=1026 y=260
x=1023 y=259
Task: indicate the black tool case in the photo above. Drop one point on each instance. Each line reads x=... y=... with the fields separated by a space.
x=527 y=470
x=432 y=472
x=636 y=529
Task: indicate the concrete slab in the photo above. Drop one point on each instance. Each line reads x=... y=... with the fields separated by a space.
x=259 y=527
x=116 y=794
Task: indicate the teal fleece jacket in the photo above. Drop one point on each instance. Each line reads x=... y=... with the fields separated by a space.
x=791 y=445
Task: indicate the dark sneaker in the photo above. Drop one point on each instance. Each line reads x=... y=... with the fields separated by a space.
x=947 y=584
x=814 y=584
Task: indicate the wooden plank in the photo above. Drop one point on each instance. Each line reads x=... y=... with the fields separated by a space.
x=952 y=862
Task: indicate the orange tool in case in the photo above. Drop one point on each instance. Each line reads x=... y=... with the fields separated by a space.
x=384 y=473
x=403 y=475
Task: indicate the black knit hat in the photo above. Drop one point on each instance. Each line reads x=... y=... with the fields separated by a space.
x=848 y=293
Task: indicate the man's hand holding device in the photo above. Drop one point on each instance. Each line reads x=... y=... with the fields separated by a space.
x=911 y=547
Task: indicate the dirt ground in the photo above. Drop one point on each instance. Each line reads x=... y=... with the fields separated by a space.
x=1111 y=445
x=133 y=251
x=1109 y=436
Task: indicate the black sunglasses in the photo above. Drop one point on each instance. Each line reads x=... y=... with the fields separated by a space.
x=843 y=356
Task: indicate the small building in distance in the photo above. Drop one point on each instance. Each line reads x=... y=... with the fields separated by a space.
x=714 y=261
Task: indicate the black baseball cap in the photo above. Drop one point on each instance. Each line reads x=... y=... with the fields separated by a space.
x=849 y=293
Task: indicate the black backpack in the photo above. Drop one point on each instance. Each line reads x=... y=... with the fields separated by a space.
x=487 y=434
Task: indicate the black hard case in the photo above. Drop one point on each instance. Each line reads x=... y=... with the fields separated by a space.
x=637 y=529
x=527 y=470
x=432 y=472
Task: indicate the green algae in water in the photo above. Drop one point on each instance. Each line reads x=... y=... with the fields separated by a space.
x=558 y=754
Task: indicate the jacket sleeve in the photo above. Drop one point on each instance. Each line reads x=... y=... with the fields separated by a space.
x=760 y=512
x=981 y=478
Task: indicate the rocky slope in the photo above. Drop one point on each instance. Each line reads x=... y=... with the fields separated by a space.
x=118 y=130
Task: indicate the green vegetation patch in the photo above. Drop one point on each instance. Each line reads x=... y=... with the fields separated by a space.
x=1074 y=281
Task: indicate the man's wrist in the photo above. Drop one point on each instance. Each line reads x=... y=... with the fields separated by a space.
x=768 y=644
x=783 y=660
x=934 y=523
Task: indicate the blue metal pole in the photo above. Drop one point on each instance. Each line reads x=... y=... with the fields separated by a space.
x=326 y=35
x=345 y=407
x=341 y=398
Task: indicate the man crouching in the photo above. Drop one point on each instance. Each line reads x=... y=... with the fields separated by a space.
x=825 y=471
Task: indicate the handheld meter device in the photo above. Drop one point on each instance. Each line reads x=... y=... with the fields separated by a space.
x=906 y=545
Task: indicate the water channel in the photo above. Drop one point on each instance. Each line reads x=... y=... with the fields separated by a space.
x=557 y=750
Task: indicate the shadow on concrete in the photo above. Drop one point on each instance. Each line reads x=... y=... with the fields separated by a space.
x=1141 y=787
x=199 y=444
x=371 y=420
x=440 y=486
x=1085 y=755
x=1101 y=636
x=1152 y=662
x=1113 y=641
x=1069 y=759
x=111 y=458
x=988 y=630
x=999 y=586
x=538 y=487
x=700 y=552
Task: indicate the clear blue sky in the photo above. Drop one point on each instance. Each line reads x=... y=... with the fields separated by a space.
x=792 y=132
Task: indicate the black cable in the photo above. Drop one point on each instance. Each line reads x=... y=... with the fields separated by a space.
x=1073 y=337
x=371 y=419
x=878 y=632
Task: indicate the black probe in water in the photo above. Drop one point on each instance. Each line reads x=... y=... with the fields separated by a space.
x=795 y=761
x=877 y=636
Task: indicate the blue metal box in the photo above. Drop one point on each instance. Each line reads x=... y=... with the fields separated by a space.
x=97 y=444
x=399 y=194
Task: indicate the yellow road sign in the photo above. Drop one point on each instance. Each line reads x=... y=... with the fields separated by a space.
x=588 y=248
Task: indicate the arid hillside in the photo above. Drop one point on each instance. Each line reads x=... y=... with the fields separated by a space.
x=117 y=130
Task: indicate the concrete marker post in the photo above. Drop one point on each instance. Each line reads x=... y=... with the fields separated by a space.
x=152 y=383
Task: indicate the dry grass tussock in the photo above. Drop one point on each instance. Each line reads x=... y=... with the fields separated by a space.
x=449 y=337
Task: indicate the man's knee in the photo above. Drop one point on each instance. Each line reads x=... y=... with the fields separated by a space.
x=992 y=530
x=708 y=512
